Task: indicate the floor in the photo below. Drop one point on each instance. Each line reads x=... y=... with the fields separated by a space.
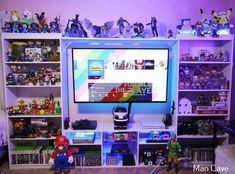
x=126 y=170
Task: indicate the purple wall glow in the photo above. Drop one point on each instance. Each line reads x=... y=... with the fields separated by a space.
x=167 y=12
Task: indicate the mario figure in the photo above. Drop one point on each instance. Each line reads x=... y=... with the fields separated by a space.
x=173 y=148
x=61 y=157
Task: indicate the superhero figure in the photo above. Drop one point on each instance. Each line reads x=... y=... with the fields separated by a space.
x=61 y=157
x=173 y=148
x=121 y=21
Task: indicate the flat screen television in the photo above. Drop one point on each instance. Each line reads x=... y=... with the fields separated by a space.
x=120 y=74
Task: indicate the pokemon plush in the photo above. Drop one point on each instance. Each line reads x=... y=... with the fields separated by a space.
x=14 y=16
x=223 y=21
x=27 y=18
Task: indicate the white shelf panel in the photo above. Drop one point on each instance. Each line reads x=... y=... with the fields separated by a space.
x=142 y=141
x=35 y=116
x=33 y=86
x=38 y=63
x=203 y=90
x=31 y=36
x=207 y=62
x=96 y=142
x=205 y=38
x=31 y=139
x=203 y=115
x=25 y=166
x=109 y=127
x=201 y=136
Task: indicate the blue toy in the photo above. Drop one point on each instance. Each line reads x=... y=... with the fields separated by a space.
x=199 y=29
x=206 y=23
x=7 y=27
x=153 y=24
x=121 y=21
x=24 y=28
x=34 y=28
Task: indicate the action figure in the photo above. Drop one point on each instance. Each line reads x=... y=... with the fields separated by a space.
x=153 y=24
x=173 y=148
x=61 y=157
x=121 y=26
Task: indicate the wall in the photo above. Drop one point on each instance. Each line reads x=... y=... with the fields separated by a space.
x=167 y=12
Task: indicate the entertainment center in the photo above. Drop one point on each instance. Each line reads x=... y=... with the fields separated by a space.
x=192 y=62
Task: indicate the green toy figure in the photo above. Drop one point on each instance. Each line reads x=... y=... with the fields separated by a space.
x=173 y=148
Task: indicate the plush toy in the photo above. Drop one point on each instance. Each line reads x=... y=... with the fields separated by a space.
x=41 y=18
x=185 y=27
x=62 y=156
x=223 y=19
x=14 y=16
x=27 y=18
x=205 y=22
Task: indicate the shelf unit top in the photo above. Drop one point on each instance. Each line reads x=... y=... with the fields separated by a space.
x=31 y=36
x=109 y=127
x=203 y=90
x=201 y=136
x=34 y=116
x=33 y=86
x=49 y=62
x=60 y=36
x=203 y=115
x=205 y=62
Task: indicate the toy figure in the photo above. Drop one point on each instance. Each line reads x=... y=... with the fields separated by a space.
x=138 y=30
x=24 y=28
x=206 y=23
x=153 y=24
x=11 y=79
x=61 y=157
x=185 y=27
x=14 y=16
x=54 y=25
x=98 y=31
x=7 y=27
x=121 y=21
x=34 y=28
x=169 y=33
x=75 y=29
x=222 y=19
x=27 y=18
x=173 y=148
x=199 y=29
x=41 y=18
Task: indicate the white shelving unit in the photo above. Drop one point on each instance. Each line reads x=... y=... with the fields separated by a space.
x=179 y=45
x=192 y=46
x=15 y=93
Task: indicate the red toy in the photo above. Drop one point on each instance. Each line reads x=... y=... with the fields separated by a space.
x=61 y=157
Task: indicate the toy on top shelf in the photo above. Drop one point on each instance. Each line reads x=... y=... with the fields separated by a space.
x=42 y=22
x=137 y=30
x=27 y=18
x=55 y=25
x=185 y=27
x=205 y=22
x=121 y=24
x=62 y=156
x=75 y=29
x=173 y=148
x=98 y=31
x=223 y=21
x=153 y=24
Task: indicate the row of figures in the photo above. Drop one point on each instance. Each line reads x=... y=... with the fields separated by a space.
x=85 y=28
x=27 y=24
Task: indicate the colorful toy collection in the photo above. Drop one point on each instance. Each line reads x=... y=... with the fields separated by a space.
x=33 y=51
x=218 y=24
x=23 y=75
x=45 y=106
x=202 y=77
x=34 y=128
x=207 y=56
x=27 y=24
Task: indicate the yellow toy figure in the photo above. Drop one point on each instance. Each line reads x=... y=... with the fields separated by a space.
x=173 y=148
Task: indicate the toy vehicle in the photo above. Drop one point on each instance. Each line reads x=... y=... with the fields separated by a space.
x=120 y=117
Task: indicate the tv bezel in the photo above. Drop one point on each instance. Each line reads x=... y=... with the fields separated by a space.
x=132 y=48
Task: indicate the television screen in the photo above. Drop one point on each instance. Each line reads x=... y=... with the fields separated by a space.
x=120 y=74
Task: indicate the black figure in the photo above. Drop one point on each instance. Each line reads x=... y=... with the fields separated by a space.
x=153 y=24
